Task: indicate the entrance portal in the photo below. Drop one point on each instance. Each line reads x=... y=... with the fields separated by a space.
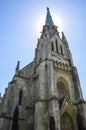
x=66 y=122
x=15 y=119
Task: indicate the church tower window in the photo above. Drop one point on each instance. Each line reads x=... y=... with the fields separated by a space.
x=62 y=90
x=61 y=87
x=52 y=46
x=61 y=49
x=56 y=45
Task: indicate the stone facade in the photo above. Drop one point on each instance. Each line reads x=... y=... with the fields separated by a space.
x=46 y=94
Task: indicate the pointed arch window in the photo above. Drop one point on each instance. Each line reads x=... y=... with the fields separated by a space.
x=52 y=46
x=61 y=49
x=20 y=97
x=56 y=45
x=62 y=91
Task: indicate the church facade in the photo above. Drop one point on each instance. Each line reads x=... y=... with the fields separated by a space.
x=45 y=94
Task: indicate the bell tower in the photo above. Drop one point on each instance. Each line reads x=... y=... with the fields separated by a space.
x=59 y=99
x=45 y=94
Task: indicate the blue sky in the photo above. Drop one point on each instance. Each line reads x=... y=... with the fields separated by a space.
x=20 y=26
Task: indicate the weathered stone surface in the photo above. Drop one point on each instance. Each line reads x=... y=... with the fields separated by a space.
x=46 y=90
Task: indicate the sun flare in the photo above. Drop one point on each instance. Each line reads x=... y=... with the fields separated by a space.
x=58 y=22
x=41 y=21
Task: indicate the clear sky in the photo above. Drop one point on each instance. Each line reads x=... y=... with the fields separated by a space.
x=21 y=22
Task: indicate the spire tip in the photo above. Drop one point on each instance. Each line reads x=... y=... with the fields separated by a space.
x=47 y=8
x=49 y=20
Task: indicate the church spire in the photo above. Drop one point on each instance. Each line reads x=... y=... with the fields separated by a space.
x=49 y=20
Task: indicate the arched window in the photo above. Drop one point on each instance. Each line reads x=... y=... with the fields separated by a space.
x=61 y=49
x=52 y=123
x=62 y=91
x=20 y=97
x=52 y=46
x=56 y=45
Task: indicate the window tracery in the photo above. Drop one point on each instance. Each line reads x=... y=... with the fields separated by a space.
x=61 y=87
x=56 y=45
x=62 y=90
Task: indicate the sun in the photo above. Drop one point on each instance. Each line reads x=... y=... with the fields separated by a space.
x=41 y=21
x=58 y=22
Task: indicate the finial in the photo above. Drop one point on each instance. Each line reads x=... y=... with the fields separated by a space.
x=17 y=67
x=47 y=8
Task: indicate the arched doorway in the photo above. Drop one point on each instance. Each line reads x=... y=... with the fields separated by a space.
x=15 y=119
x=66 y=122
x=52 y=123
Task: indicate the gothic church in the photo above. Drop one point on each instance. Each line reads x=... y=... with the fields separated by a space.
x=45 y=94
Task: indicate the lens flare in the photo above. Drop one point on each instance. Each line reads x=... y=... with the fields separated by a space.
x=41 y=21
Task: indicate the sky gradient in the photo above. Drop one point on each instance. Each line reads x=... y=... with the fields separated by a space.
x=21 y=22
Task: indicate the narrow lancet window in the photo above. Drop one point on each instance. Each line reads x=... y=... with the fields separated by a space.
x=52 y=46
x=20 y=97
x=61 y=49
x=56 y=46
